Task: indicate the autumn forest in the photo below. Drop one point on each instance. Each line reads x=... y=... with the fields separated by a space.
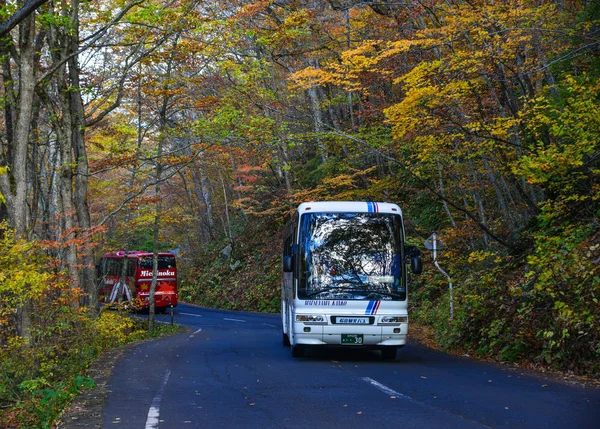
x=201 y=125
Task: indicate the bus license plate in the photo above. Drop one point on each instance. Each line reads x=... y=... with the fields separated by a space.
x=352 y=320
x=352 y=338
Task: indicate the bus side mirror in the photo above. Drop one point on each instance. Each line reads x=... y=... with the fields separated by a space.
x=288 y=264
x=412 y=252
x=415 y=265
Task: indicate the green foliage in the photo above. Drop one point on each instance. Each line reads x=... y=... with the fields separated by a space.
x=47 y=403
x=564 y=126
x=143 y=239
x=48 y=20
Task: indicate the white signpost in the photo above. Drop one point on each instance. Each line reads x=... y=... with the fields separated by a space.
x=433 y=243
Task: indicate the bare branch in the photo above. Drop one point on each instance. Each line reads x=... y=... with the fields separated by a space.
x=93 y=40
x=27 y=9
x=430 y=188
x=149 y=185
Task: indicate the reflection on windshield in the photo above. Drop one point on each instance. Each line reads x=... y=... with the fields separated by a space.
x=352 y=256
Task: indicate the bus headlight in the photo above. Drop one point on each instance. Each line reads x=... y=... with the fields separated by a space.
x=311 y=319
x=393 y=320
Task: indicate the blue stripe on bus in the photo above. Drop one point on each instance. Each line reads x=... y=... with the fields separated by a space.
x=370 y=307
x=370 y=207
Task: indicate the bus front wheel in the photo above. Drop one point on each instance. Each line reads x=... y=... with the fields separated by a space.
x=389 y=353
x=285 y=339
x=297 y=350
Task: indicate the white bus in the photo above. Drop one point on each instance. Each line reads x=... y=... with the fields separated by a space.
x=344 y=277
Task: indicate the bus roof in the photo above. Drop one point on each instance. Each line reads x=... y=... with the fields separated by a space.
x=134 y=254
x=348 y=207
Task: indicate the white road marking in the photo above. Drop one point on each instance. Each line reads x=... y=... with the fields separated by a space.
x=385 y=389
x=190 y=314
x=268 y=324
x=154 y=411
x=234 y=320
x=198 y=331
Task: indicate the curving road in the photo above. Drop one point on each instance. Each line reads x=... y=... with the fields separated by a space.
x=231 y=371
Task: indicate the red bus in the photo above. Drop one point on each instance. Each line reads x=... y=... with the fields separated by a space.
x=139 y=278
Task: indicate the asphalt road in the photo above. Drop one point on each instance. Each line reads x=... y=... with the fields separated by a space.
x=231 y=371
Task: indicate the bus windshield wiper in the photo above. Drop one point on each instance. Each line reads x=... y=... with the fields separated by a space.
x=335 y=289
x=360 y=291
x=381 y=292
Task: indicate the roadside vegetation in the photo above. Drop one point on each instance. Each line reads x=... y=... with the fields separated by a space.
x=200 y=125
x=244 y=277
x=40 y=373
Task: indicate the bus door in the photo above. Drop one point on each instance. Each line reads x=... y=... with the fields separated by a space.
x=112 y=282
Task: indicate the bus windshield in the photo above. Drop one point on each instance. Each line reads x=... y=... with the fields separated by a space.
x=351 y=256
x=164 y=262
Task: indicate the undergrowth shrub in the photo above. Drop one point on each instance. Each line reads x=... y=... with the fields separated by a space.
x=541 y=308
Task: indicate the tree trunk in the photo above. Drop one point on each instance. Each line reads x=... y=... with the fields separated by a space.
x=228 y=222
x=202 y=193
x=63 y=123
x=317 y=116
x=446 y=208
x=80 y=196
x=13 y=183
x=157 y=217
x=157 y=190
x=17 y=203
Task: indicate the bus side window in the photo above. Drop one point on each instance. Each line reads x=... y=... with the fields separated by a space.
x=114 y=267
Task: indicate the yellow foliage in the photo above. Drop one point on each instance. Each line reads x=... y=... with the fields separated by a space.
x=342 y=187
x=480 y=255
x=114 y=329
x=3 y=170
x=23 y=275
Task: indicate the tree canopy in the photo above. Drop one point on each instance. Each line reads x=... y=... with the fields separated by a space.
x=156 y=124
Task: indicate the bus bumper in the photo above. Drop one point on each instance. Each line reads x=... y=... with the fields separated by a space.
x=375 y=336
x=161 y=299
